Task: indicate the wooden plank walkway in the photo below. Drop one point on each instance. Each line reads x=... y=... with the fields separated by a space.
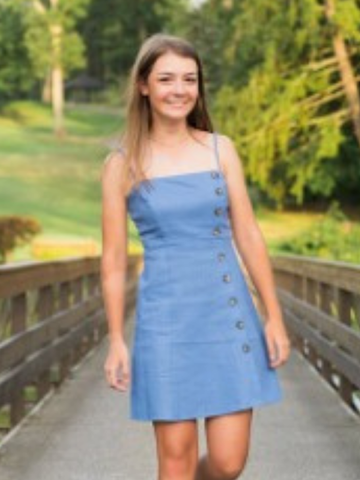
x=82 y=432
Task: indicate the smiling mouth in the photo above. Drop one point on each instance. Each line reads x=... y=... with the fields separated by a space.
x=177 y=104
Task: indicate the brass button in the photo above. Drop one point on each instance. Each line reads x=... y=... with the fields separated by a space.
x=219 y=191
x=246 y=347
x=232 y=301
x=215 y=174
x=217 y=231
x=218 y=211
x=240 y=324
x=221 y=256
x=226 y=278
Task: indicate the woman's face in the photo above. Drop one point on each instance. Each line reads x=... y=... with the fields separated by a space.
x=172 y=86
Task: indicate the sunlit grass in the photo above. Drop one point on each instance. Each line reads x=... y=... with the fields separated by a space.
x=58 y=182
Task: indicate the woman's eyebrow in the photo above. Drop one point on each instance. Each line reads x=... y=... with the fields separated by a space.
x=172 y=73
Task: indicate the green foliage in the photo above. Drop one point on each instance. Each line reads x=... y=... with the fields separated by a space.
x=347 y=19
x=281 y=98
x=16 y=231
x=113 y=39
x=334 y=237
x=214 y=21
x=39 y=39
x=14 y=60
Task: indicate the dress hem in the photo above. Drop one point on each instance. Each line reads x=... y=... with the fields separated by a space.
x=211 y=413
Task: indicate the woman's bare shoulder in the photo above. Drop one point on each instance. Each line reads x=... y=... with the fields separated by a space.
x=114 y=157
x=228 y=153
x=224 y=141
x=112 y=168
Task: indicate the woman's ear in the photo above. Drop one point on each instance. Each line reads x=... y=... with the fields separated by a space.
x=143 y=88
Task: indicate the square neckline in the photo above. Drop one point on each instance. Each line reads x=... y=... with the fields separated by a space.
x=216 y=168
x=207 y=171
x=184 y=174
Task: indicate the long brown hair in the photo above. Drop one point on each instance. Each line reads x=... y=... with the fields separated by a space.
x=138 y=121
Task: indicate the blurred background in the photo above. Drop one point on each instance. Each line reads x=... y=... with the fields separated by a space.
x=281 y=79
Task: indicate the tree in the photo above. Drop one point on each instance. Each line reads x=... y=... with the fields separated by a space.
x=55 y=48
x=113 y=40
x=287 y=100
x=345 y=21
x=16 y=231
x=16 y=79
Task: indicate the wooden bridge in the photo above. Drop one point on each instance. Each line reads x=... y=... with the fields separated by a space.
x=59 y=420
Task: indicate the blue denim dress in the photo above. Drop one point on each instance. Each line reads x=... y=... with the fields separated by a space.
x=199 y=347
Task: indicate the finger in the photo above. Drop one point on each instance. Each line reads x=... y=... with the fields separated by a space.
x=283 y=353
x=111 y=377
x=120 y=382
x=125 y=378
x=271 y=349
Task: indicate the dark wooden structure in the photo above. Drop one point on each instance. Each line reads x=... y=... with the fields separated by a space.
x=321 y=305
x=83 y=87
x=51 y=315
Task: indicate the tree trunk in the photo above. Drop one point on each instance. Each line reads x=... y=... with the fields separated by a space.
x=57 y=93
x=346 y=72
x=46 y=90
x=57 y=81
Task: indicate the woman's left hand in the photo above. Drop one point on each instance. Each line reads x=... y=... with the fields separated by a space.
x=278 y=342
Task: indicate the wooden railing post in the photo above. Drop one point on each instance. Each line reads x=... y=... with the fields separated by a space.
x=18 y=325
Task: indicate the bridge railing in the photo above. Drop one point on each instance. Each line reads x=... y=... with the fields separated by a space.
x=321 y=305
x=51 y=315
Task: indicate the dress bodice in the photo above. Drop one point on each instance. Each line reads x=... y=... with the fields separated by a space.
x=185 y=208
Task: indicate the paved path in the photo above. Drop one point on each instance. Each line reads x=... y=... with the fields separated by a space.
x=82 y=433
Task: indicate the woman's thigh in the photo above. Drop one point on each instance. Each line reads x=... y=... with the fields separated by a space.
x=177 y=444
x=228 y=440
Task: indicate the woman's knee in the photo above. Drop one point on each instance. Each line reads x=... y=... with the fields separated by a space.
x=228 y=440
x=178 y=465
x=177 y=450
x=227 y=467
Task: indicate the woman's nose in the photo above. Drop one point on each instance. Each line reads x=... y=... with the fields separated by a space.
x=179 y=86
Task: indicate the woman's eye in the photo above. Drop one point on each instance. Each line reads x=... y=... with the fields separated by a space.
x=188 y=80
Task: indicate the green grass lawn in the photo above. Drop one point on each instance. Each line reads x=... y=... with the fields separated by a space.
x=58 y=182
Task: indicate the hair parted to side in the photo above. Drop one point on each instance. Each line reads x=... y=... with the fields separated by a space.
x=138 y=120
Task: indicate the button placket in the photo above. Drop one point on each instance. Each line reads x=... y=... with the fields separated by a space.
x=233 y=302
x=218 y=210
x=221 y=256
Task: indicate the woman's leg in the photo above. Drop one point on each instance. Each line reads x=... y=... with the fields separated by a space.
x=228 y=441
x=177 y=449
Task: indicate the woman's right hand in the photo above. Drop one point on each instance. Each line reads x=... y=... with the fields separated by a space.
x=117 y=365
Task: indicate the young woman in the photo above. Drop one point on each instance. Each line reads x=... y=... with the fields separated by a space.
x=200 y=349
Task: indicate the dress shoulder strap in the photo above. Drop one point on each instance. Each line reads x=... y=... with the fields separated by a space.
x=216 y=150
x=120 y=148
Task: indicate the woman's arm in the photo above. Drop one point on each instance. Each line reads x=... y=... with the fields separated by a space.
x=114 y=265
x=251 y=245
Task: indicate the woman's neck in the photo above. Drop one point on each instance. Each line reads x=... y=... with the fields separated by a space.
x=170 y=134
